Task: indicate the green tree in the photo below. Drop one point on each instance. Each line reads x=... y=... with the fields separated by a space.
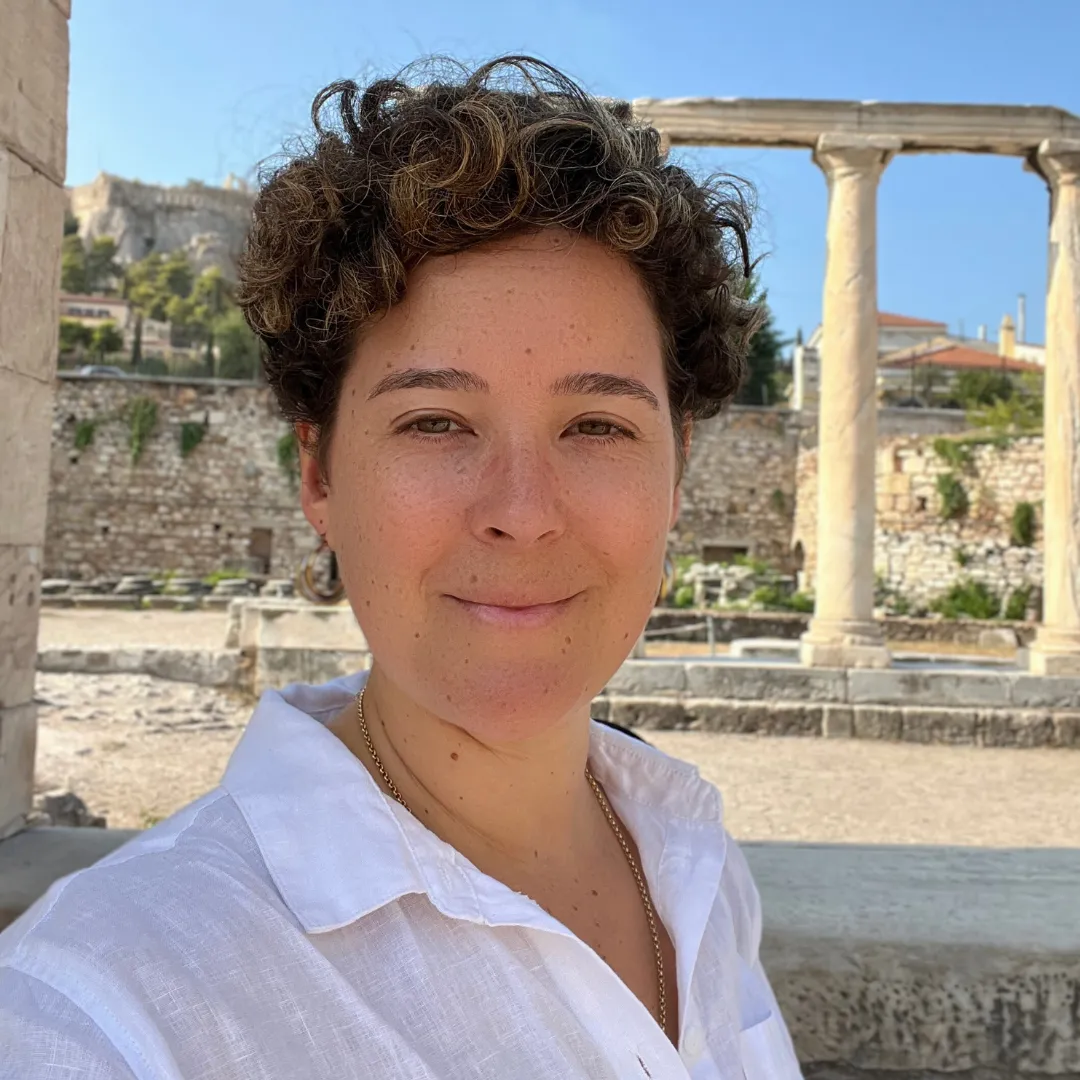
x=978 y=388
x=238 y=347
x=761 y=385
x=73 y=335
x=71 y=223
x=102 y=267
x=72 y=265
x=106 y=338
x=136 y=343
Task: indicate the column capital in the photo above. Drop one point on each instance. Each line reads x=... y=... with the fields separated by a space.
x=859 y=153
x=1058 y=160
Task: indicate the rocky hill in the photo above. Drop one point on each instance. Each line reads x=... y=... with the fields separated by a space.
x=209 y=223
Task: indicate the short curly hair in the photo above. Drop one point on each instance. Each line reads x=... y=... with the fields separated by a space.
x=437 y=160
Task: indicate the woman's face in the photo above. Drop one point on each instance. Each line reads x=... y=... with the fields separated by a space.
x=501 y=479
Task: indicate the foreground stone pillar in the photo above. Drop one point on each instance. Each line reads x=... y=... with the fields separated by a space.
x=1056 y=648
x=33 y=135
x=842 y=632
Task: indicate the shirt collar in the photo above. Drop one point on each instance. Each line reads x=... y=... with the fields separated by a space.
x=338 y=848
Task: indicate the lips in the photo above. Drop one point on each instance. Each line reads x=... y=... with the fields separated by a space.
x=514 y=615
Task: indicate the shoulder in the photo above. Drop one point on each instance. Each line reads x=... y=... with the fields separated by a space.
x=165 y=898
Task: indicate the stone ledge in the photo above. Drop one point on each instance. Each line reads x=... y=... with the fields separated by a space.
x=206 y=667
x=33 y=859
x=924 y=958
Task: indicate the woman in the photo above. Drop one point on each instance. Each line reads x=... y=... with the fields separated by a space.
x=492 y=312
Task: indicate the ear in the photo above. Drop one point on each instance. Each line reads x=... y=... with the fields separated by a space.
x=314 y=493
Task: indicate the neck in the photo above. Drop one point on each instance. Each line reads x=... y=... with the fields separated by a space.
x=525 y=806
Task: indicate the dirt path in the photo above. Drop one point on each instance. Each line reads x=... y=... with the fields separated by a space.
x=137 y=749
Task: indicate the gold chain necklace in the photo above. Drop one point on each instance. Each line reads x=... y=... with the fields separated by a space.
x=639 y=878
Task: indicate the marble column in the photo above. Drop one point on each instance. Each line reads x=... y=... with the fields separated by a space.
x=33 y=135
x=842 y=632
x=1056 y=648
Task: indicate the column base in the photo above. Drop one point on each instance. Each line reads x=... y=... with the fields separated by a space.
x=1055 y=652
x=844 y=644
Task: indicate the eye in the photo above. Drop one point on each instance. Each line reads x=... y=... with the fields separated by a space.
x=431 y=427
x=603 y=431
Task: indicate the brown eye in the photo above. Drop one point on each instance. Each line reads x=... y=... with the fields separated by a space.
x=432 y=425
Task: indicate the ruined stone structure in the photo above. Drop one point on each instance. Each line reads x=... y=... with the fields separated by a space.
x=33 y=141
x=853 y=142
x=738 y=493
x=227 y=504
x=918 y=551
x=207 y=223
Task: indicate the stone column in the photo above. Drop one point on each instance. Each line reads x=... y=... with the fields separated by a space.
x=842 y=632
x=33 y=135
x=1056 y=648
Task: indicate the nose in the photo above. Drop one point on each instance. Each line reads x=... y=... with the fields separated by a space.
x=519 y=496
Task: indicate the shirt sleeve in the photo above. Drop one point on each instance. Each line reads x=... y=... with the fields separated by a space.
x=45 y=1036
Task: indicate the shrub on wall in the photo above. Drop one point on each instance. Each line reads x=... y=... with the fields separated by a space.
x=1022 y=530
x=141 y=416
x=288 y=456
x=968 y=599
x=1016 y=608
x=954 y=496
x=954 y=453
x=84 y=433
x=191 y=434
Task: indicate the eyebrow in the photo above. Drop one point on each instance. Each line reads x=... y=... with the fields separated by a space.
x=578 y=384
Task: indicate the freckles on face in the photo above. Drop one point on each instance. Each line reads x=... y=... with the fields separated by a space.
x=506 y=449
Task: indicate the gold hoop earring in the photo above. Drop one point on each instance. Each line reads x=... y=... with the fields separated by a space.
x=667 y=578
x=313 y=590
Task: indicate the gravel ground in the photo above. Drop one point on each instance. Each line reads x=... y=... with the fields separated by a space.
x=137 y=748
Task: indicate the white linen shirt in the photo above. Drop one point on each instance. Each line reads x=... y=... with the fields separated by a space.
x=297 y=923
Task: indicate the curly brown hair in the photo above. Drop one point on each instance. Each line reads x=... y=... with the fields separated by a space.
x=420 y=166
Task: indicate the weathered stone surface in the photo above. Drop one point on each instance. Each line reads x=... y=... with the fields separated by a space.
x=877 y=722
x=936 y=688
x=924 y=725
x=649 y=678
x=25 y=405
x=206 y=667
x=277 y=667
x=18 y=740
x=1040 y=692
x=838 y=722
x=661 y=713
x=31 y=214
x=34 y=85
x=751 y=717
x=764 y=682
x=1066 y=728
x=1019 y=727
x=20 y=576
x=924 y=958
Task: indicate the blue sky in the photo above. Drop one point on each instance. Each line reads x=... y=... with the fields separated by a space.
x=167 y=91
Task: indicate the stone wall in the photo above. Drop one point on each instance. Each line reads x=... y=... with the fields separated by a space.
x=739 y=487
x=920 y=553
x=193 y=514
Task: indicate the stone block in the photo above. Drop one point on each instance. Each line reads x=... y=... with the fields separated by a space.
x=877 y=722
x=838 y=722
x=658 y=713
x=600 y=708
x=897 y=686
x=20 y=576
x=1016 y=727
x=925 y=725
x=735 y=716
x=764 y=682
x=31 y=217
x=1066 y=728
x=648 y=677
x=18 y=740
x=34 y=84
x=1046 y=692
x=25 y=438
x=275 y=668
